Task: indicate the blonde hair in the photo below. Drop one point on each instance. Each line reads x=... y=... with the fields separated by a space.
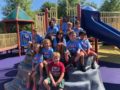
x=46 y=41
x=37 y=46
x=56 y=54
x=69 y=23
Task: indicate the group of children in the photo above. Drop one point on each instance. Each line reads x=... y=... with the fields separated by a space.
x=59 y=49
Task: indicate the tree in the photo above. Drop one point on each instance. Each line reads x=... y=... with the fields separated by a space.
x=47 y=5
x=62 y=5
x=110 y=5
x=12 y=4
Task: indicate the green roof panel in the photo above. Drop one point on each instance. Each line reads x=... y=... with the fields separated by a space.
x=18 y=14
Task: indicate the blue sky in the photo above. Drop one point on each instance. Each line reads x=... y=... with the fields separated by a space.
x=37 y=3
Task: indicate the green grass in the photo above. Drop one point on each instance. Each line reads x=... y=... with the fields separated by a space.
x=109 y=54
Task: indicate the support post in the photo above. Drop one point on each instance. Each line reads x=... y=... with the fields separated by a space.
x=18 y=36
x=61 y=21
x=46 y=18
x=32 y=27
x=78 y=12
x=96 y=45
x=5 y=27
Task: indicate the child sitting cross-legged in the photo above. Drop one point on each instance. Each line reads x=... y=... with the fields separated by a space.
x=56 y=71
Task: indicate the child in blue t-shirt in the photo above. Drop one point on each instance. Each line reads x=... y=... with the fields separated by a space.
x=77 y=28
x=59 y=44
x=59 y=40
x=51 y=31
x=37 y=38
x=64 y=25
x=47 y=52
x=37 y=63
x=73 y=47
x=30 y=51
x=86 y=48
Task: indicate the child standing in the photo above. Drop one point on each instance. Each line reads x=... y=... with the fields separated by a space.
x=56 y=71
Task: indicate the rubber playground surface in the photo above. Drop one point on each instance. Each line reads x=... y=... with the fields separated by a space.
x=109 y=71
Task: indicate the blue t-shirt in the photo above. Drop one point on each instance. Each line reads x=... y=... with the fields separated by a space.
x=58 y=26
x=38 y=58
x=73 y=46
x=77 y=31
x=85 y=44
x=47 y=53
x=64 y=27
x=55 y=43
x=38 y=38
x=53 y=30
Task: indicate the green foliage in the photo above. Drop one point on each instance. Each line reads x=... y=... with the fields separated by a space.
x=62 y=6
x=12 y=4
x=110 y=5
x=47 y=5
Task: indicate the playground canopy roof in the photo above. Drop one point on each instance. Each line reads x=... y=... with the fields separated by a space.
x=18 y=15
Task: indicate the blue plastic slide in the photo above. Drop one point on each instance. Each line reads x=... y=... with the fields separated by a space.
x=95 y=27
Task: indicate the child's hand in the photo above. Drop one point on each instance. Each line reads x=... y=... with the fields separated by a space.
x=54 y=84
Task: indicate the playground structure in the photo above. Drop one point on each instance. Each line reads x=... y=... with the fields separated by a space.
x=11 y=40
x=90 y=21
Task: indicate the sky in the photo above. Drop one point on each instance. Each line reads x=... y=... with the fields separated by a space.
x=37 y=4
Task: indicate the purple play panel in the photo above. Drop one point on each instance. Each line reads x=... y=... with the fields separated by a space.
x=110 y=75
x=10 y=62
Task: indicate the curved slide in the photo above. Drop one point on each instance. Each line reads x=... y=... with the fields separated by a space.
x=95 y=27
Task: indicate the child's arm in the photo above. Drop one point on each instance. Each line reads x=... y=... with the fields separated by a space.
x=52 y=79
x=60 y=78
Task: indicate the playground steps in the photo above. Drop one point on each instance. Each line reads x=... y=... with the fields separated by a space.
x=21 y=78
x=89 y=80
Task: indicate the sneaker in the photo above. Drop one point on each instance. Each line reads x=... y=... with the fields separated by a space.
x=82 y=68
x=93 y=66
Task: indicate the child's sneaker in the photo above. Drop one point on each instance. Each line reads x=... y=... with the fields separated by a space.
x=82 y=68
x=93 y=66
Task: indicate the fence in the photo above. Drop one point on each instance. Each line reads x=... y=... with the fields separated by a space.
x=40 y=20
x=111 y=18
x=40 y=23
x=8 y=41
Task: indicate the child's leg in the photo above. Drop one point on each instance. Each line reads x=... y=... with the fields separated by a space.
x=67 y=56
x=82 y=58
x=46 y=84
x=46 y=66
x=82 y=61
x=34 y=82
x=92 y=53
x=41 y=73
x=77 y=57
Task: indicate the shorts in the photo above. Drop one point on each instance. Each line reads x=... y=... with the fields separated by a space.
x=60 y=85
